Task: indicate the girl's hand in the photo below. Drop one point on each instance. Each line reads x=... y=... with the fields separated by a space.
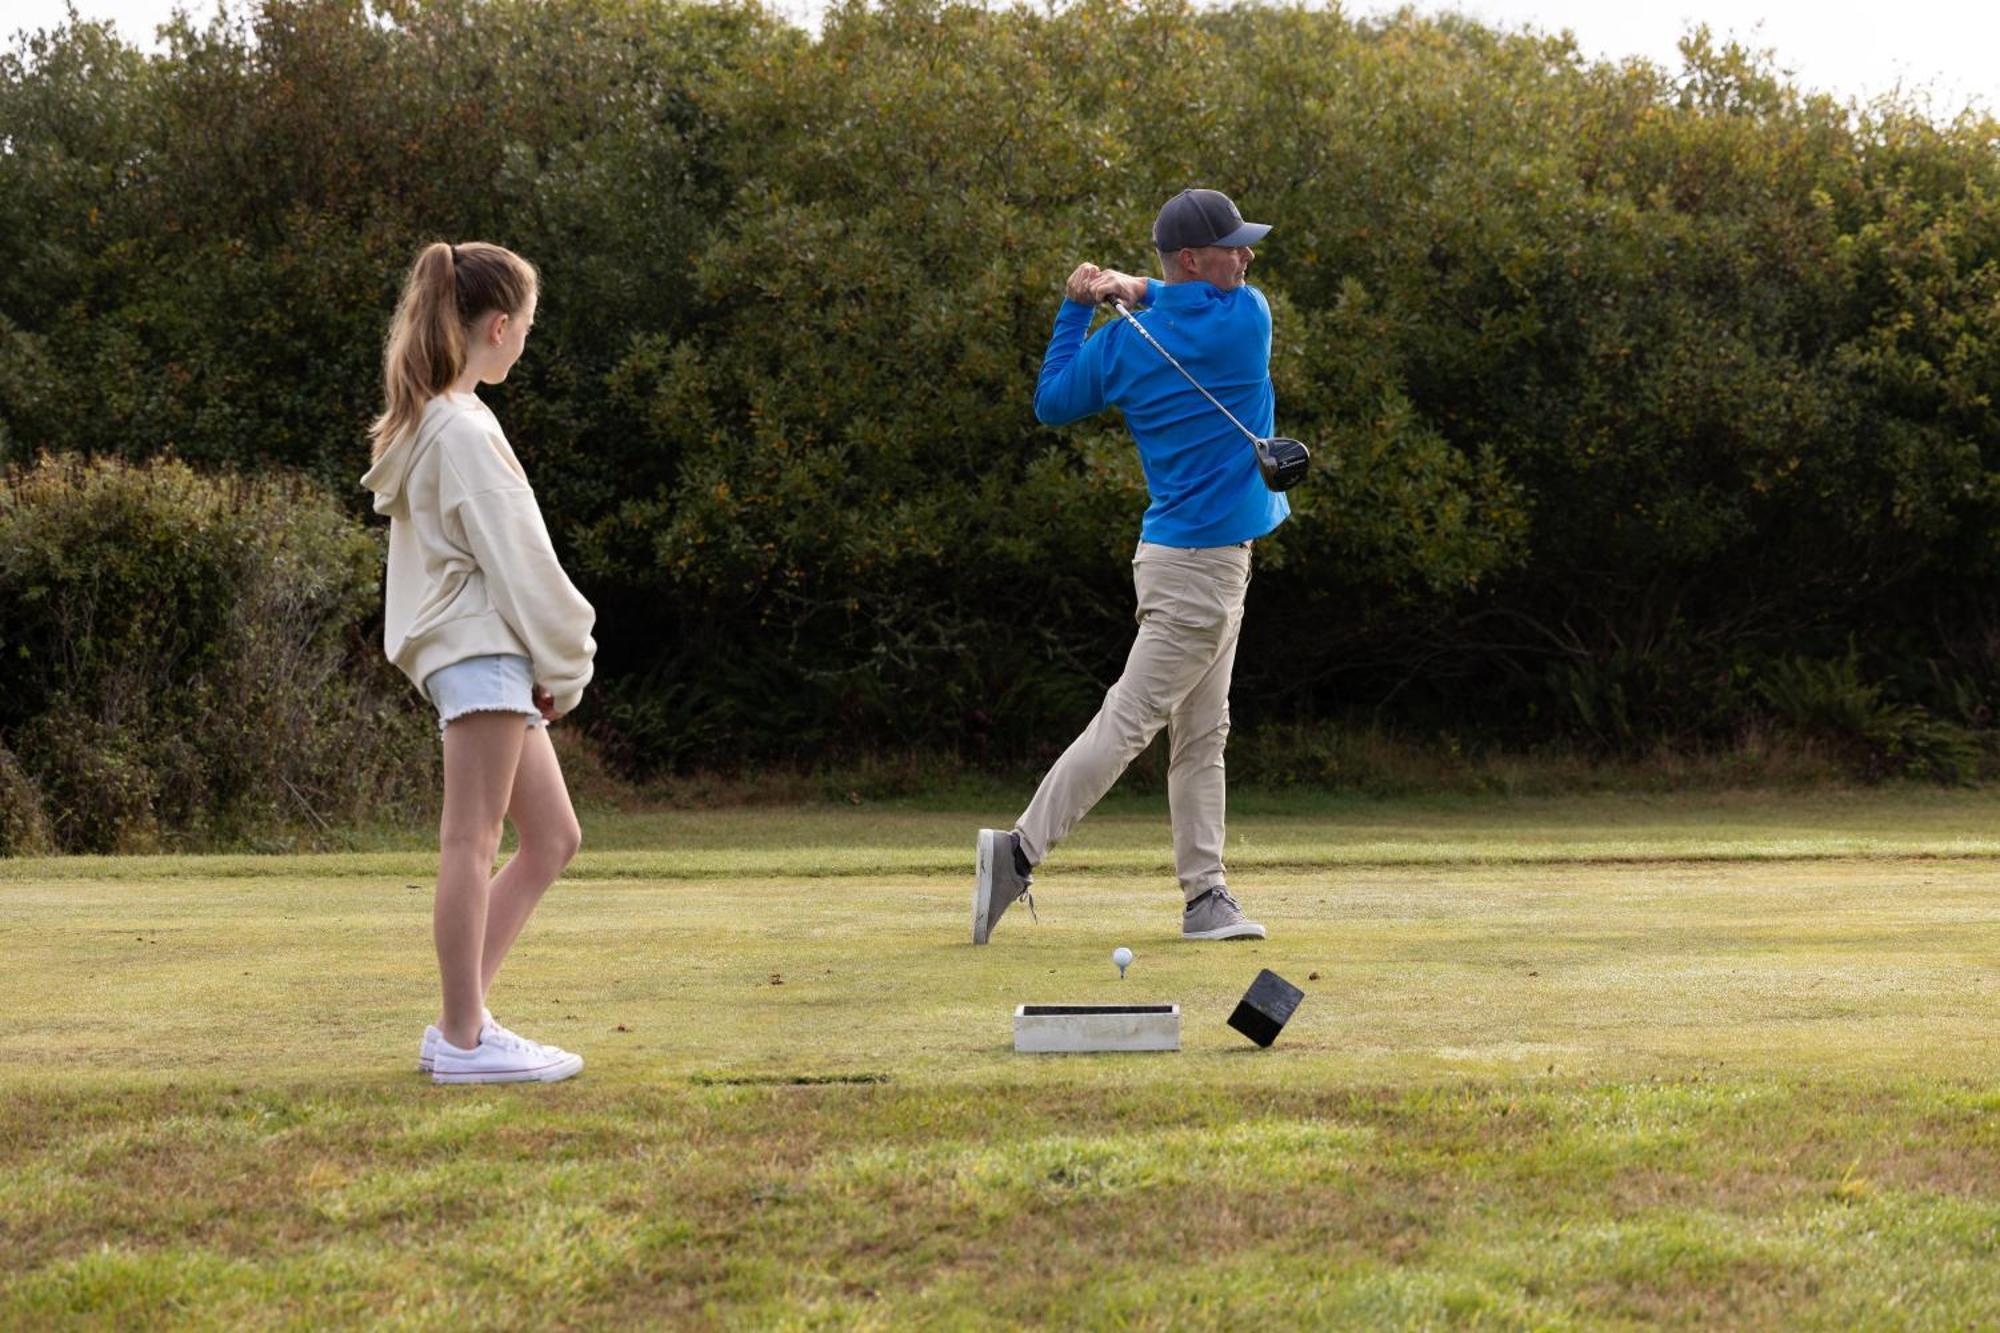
x=545 y=703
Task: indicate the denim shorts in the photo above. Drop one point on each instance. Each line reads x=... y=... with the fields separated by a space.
x=501 y=683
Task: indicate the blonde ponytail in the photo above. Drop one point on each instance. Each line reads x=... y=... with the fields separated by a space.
x=450 y=288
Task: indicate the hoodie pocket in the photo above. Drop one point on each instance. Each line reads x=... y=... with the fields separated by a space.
x=461 y=594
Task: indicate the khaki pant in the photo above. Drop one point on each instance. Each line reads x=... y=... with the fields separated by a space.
x=1177 y=676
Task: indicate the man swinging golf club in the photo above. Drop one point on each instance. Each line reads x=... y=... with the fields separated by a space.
x=1211 y=339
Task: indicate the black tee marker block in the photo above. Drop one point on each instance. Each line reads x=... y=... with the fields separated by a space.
x=1266 y=1007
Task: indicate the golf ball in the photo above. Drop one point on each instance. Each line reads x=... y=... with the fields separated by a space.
x=1122 y=957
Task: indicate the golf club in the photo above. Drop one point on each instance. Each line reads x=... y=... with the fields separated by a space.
x=1282 y=461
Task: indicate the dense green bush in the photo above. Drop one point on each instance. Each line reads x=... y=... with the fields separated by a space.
x=186 y=659
x=1830 y=701
x=1628 y=384
x=24 y=828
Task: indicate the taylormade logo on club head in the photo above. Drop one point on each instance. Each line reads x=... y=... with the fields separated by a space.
x=1281 y=461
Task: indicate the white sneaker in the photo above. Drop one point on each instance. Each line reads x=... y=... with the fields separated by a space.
x=501 y=1057
x=427 y=1049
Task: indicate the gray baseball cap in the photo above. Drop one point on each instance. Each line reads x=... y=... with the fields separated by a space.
x=1203 y=217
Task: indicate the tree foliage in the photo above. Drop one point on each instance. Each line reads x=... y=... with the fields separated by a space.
x=1628 y=385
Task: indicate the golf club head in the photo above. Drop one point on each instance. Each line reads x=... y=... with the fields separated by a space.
x=1282 y=461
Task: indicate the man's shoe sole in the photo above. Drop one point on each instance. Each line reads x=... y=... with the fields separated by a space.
x=1249 y=930
x=549 y=1073
x=982 y=886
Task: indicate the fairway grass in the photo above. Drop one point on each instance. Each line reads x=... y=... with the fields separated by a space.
x=1586 y=1063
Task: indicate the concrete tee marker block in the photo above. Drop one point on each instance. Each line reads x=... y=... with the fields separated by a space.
x=1064 y=1028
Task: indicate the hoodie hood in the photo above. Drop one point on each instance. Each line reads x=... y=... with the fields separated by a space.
x=390 y=475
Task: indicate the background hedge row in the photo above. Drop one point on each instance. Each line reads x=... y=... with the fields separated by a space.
x=1648 y=403
x=185 y=664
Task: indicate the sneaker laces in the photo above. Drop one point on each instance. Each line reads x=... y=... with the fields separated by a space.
x=547 y=1048
x=1221 y=896
x=1027 y=893
x=495 y=1035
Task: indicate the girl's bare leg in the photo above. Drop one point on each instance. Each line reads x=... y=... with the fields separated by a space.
x=549 y=835
x=481 y=753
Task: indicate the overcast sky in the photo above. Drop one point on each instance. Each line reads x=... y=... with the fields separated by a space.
x=1844 y=47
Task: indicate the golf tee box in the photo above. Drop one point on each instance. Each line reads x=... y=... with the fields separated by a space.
x=1072 y=1028
x=1266 y=1007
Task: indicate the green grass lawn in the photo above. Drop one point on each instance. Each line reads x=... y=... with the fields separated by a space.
x=1592 y=1062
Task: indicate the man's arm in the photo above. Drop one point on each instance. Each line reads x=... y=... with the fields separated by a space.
x=1071 y=385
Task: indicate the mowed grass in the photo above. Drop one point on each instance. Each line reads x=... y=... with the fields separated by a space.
x=1595 y=1062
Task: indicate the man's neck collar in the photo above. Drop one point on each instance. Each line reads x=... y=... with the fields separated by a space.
x=1186 y=293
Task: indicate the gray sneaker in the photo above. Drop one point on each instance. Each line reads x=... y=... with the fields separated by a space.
x=1217 y=916
x=996 y=884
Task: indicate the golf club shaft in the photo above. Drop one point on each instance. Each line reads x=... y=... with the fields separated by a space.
x=1130 y=319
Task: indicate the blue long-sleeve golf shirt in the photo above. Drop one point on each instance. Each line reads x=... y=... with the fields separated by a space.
x=1200 y=471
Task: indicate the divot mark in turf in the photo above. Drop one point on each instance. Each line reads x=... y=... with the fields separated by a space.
x=781 y=1080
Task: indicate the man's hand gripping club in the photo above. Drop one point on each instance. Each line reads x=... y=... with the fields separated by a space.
x=1091 y=285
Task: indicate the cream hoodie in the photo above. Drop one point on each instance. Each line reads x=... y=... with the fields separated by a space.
x=471 y=567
